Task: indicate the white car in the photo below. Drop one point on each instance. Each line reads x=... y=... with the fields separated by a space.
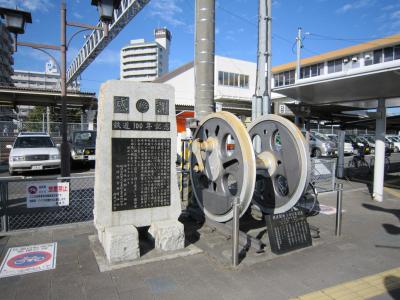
x=33 y=151
x=348 y=147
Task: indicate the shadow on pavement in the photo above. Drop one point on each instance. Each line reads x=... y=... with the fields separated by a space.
x=390 y=228
x=392 y=285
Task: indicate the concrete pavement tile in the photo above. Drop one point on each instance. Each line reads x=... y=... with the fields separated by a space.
x=102 y=293
x=93 y=282
x=137 y=294
x=8 y=292
x=128 y=279
x=32 y=294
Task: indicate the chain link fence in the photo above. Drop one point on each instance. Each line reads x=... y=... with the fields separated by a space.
x=15 y=213
x=323 y=174
x=10 y=130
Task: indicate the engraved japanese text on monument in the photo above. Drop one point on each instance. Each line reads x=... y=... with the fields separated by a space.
x=140 y=173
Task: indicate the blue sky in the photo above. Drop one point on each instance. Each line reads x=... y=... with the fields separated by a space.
x=354 y=21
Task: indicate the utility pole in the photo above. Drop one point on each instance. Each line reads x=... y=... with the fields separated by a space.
x=267 y=100
x=261 y=102
x=65 y=151
x=299 y=43
x=204 y=58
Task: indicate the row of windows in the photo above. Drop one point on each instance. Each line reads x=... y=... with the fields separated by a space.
x=149 y=60
x=142 y=47
x=138 y=76
x=337 y=65
x=139 y=69
x=233 y=79
x=284 y=78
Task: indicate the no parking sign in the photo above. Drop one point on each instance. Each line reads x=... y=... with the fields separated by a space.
x=29 y=259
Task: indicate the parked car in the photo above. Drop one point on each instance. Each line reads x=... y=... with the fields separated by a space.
x=83 y=146
x=396 y=142
x=33 y=151
x=359 y=144
x=321 y=145
x=348 y=147
x=371 y=141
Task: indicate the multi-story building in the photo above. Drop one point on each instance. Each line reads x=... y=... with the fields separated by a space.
x=146 y=61
x=6 y=59
x=49 y=80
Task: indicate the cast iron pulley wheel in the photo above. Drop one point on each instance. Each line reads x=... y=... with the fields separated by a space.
x=283 y=163
x=222 y=166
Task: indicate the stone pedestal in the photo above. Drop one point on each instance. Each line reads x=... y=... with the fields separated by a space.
x=121 y=243
x=168 y=235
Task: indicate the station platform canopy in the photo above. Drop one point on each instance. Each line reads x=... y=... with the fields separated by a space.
x=361 y=88
x=358 y=75
x=14 y=96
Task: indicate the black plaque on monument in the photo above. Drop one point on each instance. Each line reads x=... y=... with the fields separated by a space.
x=288 y=231
x=141 y=173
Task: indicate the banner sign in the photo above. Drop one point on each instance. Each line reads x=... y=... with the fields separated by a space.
x=29 y=259
x=47 y=194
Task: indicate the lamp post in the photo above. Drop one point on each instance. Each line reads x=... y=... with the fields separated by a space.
x=15 y=23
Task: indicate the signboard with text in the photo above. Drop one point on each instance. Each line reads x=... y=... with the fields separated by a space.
x=47 y=194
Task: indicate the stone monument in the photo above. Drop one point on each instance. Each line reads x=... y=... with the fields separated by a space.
x=136 y=183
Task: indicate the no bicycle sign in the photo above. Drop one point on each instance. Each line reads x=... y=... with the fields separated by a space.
x=29 y=259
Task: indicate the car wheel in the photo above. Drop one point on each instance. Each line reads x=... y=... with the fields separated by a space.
x=372 y=151
x=317 y=153
x=396 y=149
x=11 y=172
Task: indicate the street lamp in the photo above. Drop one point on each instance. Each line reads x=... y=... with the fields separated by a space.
x=106 y=9
x=16 y=20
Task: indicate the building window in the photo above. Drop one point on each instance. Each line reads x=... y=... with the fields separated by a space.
x=355 y=61
x=397 y=52
x=378 y=56
x=321 y=69
x=233 y=79
x=388 y=54
x=335 y=66
x=368 y=59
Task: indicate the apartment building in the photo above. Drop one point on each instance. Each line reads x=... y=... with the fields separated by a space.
x=146 y=61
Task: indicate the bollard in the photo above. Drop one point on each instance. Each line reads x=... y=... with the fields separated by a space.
x=235 y=232
x=338 y=229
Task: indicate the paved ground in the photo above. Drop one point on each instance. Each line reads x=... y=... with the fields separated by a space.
x=370 y=244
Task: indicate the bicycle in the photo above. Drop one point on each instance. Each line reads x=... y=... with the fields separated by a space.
x=358 y=160
x=386 y=167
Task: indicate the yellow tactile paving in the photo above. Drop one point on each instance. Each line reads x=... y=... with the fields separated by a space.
x=359 y=289
x=393 y=192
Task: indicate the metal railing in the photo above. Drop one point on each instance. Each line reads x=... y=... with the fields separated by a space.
x=15 y=213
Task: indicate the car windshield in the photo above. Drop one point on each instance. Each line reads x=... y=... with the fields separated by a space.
x=370 y=139
x=333 y=138
x=86 y=139
x=394 y=138
x=33 y=142
x=348 y=139
x=351 y=138
x=321 y=137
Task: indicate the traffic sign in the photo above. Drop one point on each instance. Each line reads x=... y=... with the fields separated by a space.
x=29 y=259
